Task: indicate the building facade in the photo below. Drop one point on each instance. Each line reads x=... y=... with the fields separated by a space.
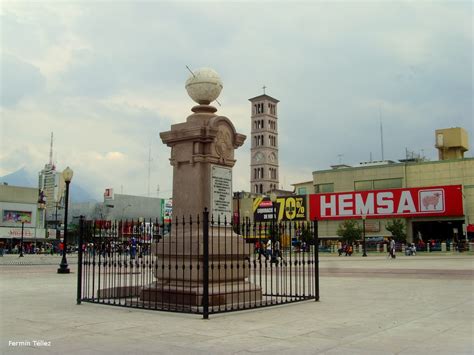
x=21 y=214
x=435 y=199
x=392 y=177
x=121 y=207
x=264 y=174
x=52 y=184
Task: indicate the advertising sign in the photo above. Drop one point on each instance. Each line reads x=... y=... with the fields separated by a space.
x=16 y=216
x=167 y=210
x=221 y=193
x=392 y=203
x=109 y=194
x=287 y=208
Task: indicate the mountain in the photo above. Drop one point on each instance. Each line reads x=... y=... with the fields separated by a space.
x=20 y=178
x=23 y=178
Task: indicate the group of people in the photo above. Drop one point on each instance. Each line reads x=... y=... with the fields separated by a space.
x=410 y=249
x=346 y=249
x=269 y=250
x=30 y=248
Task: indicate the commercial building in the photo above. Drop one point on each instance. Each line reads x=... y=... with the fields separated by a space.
x=21 y=214
x=121 y=207
x=435 y=199
x=52 y=185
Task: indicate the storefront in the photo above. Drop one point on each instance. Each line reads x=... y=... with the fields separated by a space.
x=430 y=213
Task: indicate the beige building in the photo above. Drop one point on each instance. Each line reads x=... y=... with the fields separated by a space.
x=454 y=175
x=20 y=210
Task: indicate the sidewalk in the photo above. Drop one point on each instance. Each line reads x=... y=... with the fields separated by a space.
x=368 y=305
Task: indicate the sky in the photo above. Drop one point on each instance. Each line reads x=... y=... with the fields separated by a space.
x=107 y=77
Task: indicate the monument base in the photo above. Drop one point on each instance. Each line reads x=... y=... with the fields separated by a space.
x=192 y=295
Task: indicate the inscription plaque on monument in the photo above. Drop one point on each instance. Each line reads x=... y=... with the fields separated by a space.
x=221 y=193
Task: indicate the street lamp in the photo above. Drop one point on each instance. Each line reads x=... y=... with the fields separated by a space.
x=21 y=242
x=42 y=208
x=273 y=198
x=63 y=267
x=363 y=235
x=56 y=221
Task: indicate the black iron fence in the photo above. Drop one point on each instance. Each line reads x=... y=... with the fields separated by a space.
x=197 y=265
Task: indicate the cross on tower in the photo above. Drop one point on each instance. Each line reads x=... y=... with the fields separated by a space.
x=264 y=87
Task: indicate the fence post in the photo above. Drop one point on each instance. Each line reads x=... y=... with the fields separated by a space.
x=79 y=260
x=316 y=258
x=205 y=260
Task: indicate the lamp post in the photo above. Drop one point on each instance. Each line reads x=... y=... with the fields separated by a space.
x=42 y=208
x=63 y=267
x=363 y=235
x=273 y=198
x=57 y=207
x=21 y=241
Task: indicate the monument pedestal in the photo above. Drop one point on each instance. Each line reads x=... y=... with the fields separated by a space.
x=180 y=264
x=202 y=156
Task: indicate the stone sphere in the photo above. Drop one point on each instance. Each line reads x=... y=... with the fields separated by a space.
x=204 y=86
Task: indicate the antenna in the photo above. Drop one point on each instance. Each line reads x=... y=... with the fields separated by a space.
x=340 y=158
x=51 y=150
x=381 y=131
x=190 y=71
x=195 y=76
x=157 y=190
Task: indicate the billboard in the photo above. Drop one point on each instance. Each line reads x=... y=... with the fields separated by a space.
x=16 y=217
x=286 y=208
x=167 y=210
x=432 y=201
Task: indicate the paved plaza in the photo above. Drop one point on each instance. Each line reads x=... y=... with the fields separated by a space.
x=410 y=305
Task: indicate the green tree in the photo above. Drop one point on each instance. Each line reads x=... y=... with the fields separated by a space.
x=349 y=231
x=397 y=228
x=307 y=236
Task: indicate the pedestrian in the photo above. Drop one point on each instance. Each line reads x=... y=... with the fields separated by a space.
x=269 y=250
x=392 y=248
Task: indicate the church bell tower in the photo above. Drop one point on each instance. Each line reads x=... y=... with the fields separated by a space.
x=264 y=148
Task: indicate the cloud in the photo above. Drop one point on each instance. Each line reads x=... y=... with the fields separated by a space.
x=19 y=80
x=108 y=78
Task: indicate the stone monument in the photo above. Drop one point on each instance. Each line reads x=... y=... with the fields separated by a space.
x=202 y=156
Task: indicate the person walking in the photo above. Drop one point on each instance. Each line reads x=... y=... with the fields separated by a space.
x=392 y=248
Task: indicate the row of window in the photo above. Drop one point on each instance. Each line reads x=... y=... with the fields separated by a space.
x=260 y=108
x=258 y=188
x=363 y=185
x=260 y=124
x=378 y=184
x=259 y=140
x=259 y=173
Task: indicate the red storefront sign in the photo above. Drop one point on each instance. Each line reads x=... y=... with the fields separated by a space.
x=392 y=203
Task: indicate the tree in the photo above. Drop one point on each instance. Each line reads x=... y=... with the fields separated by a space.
x=307 y=235
x=350 y=231
x=397 y=228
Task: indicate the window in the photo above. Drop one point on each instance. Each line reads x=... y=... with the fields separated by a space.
x=388 y=183
x=320 y=188
x=378 y=184
x=302 y=191
x=363 y=185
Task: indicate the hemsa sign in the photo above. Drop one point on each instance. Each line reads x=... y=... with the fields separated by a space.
x=409 y=202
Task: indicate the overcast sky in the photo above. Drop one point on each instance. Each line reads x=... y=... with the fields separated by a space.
x=107 y=77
